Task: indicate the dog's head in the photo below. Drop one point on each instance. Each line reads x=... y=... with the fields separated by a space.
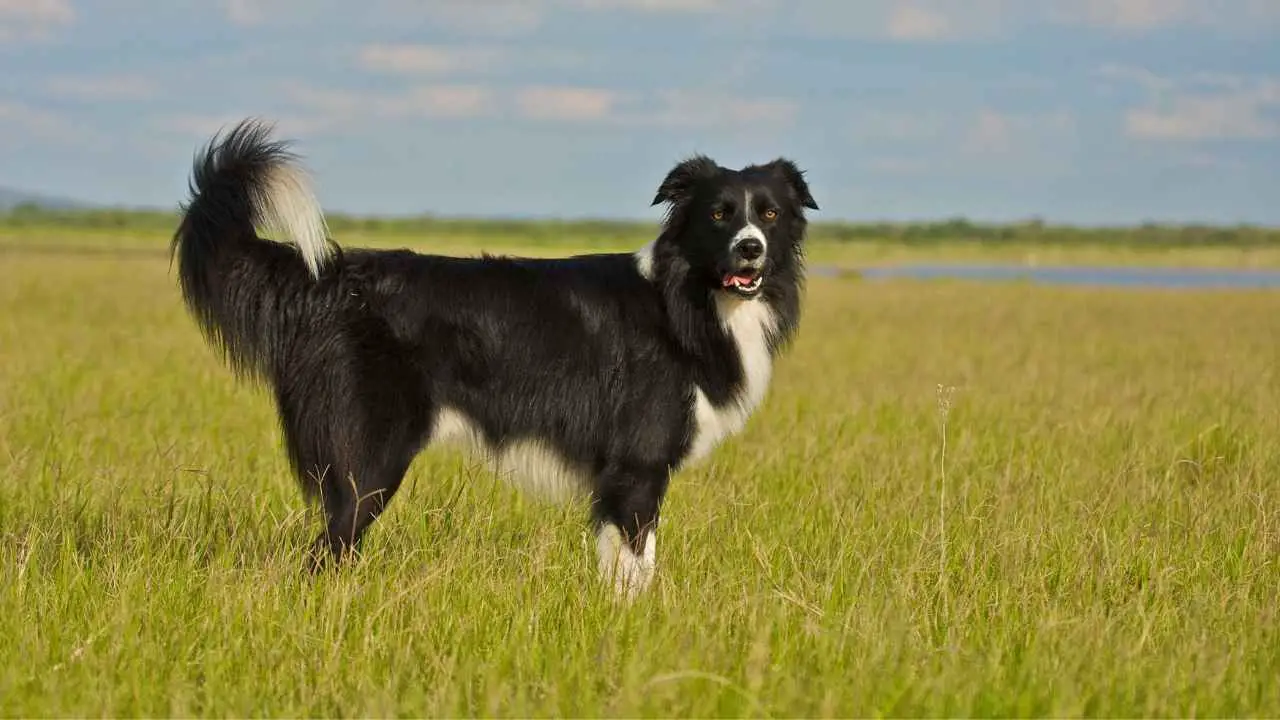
x=735 y=228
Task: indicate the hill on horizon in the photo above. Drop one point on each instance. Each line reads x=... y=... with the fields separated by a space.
x=12 y=197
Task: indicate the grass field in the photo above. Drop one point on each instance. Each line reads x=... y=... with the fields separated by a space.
x=831 y=244
x=959 y=499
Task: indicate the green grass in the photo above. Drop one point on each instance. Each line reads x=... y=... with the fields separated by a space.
x=1109 y=501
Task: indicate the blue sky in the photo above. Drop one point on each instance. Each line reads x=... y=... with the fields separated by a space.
x=1085 y=111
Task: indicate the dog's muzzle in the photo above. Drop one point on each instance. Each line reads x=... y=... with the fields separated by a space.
x=747 y=275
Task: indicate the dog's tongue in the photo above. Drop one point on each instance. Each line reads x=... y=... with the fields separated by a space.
x=735 y=280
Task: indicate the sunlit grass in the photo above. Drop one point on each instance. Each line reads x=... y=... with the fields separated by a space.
x=1120 y=249
x=1108 y=498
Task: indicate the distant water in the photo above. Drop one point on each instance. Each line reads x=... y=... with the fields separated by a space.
x=1187 y=278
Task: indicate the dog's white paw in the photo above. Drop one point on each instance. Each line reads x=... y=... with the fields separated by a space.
x=629 y=573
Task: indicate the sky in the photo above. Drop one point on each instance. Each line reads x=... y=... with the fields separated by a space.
x=1073 y=111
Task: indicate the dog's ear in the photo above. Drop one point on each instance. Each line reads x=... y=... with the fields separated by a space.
x=794 y=178
x=679 y=183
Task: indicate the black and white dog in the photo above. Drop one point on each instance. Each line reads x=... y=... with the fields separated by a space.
x=600 y=374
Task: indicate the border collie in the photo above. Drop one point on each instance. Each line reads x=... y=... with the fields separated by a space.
x=596 y=374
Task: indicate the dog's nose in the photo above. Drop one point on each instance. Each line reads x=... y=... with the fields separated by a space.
x=750 y=248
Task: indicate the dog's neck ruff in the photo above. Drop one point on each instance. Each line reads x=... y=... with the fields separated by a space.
x=749 y=324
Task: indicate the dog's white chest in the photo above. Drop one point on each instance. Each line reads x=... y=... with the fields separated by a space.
x=749 y=324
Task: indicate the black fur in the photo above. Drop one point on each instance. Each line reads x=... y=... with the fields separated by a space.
x=584 y=353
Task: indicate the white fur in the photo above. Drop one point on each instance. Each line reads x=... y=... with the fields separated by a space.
x=287 y=208
x=630 y=574
x=527 y=463
x=644 y=261
x=749 y=323
x=750 y=230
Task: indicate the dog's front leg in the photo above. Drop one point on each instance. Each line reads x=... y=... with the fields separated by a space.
x=626 y=520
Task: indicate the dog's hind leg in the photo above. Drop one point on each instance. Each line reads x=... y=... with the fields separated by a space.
x=354 y=482
x=625 y=510
x=352 y=444
x=356 y=495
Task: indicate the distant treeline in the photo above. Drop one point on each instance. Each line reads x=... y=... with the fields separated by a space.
x=957 y=229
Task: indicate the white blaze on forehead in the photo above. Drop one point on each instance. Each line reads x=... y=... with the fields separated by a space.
x=750 y=230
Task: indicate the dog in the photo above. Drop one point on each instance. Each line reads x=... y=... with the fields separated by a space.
x=594 y=376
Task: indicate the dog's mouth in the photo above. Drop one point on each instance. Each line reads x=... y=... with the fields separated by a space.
x=743 y=281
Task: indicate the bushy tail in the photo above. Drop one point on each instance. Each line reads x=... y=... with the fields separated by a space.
x=235 y=283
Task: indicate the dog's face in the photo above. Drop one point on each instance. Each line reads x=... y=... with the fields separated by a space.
x=737 y=226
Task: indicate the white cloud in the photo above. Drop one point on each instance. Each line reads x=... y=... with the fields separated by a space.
x=952 y=20
x=96 y=88
x=440 y=61
x=1201 y=106
x=419 y=101
x=890 y=126
x=665 y=108
x=1209 y=161
x=912 y=22
x=903 y=20
x=319 y=110
x=442 y=101
x=991 y=133
x=542 y=103
x=325 y=101
x=499 y=18
x=50 y=11
x=891 y=165
x=910 y=143
x=426 y=59
x=25 y=116
x=33 y=19
x=995 y=133
x=20 y=122
x=650 y=5
x=693 y=108
x=1136 y=16
x=1125 y=14
x=1128 y=74
x=245 y=12
x=507 y=18
x=252 y=13
x=205 y=125
x=199 y=124
x=1238 y=116
x=565 y=103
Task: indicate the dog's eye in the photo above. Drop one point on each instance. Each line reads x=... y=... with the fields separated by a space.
x=717 y=214
x=770 y=214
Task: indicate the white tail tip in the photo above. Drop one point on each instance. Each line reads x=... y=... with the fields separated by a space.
x=288 y=209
